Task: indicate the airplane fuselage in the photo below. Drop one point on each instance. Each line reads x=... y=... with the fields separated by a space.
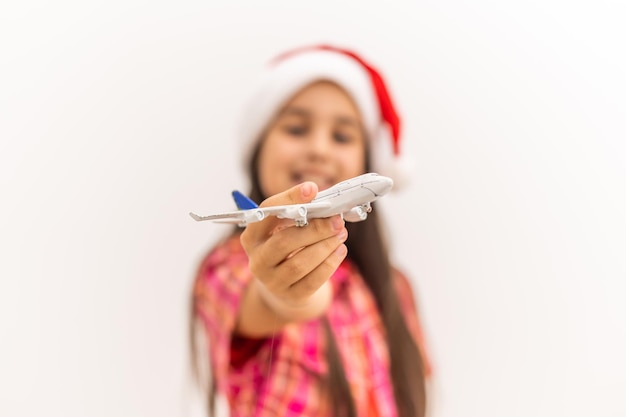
x=355 y=192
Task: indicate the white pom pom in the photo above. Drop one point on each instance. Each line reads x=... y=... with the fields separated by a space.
x=399 y=168
x=404 y=168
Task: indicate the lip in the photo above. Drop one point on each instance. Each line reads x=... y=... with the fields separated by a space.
x=323 y=180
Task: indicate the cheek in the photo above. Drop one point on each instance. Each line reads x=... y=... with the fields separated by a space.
x=267 y=172
x=274 y=165
x=354 y=161
x=278 y=155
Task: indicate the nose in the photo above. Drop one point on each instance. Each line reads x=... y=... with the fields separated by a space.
x=320 y=144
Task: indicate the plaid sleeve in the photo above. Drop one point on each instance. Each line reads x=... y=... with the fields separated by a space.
x=218 y=290
x=407 y=303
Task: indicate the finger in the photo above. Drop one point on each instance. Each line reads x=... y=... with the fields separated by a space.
x=256 y=233
x=301 y=193
x=304 y=287
x=284 y=243
x=303 y=263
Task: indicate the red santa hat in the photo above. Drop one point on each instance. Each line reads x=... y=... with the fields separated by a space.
x=294 y=70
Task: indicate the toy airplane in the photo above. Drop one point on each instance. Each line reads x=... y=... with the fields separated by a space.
x=350 y=198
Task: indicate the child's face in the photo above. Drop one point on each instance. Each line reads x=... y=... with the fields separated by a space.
x=318 y=136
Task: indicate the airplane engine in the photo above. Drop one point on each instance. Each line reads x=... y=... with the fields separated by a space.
x=355 y=214
x=298 y=213
x=254 y=216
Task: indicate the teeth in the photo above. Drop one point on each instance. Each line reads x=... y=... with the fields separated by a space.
x=321 y=181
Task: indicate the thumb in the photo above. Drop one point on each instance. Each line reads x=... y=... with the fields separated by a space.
x=301 y=193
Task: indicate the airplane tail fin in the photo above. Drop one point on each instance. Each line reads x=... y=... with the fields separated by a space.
x=243 y=202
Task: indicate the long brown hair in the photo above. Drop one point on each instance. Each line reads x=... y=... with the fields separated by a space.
x=367 y=250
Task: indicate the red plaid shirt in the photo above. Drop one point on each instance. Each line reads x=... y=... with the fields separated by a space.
x=282 y=376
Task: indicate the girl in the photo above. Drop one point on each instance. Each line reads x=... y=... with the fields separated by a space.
x=312 y=321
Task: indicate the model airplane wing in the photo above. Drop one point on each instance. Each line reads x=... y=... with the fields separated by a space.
x=297 y=212
x=230 y=217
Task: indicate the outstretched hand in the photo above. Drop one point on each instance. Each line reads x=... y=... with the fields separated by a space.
x=291 y=264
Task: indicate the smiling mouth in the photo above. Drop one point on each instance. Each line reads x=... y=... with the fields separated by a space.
x=323 y=182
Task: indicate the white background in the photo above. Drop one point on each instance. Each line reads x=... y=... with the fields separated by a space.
x=116 y=119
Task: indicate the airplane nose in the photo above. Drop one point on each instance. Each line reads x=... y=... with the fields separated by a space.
x=382 y=186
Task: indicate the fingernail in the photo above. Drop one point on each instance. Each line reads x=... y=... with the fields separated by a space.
x=306 y=189
x=341 y=251
x=343 y=235
x=337 y=222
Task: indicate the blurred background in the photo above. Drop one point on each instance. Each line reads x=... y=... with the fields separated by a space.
x=118 y=118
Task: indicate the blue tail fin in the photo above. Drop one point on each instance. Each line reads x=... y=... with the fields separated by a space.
x=243 y=202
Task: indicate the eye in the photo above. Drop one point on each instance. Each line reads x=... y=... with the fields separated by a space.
x=341 y=137
x=296 y=130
